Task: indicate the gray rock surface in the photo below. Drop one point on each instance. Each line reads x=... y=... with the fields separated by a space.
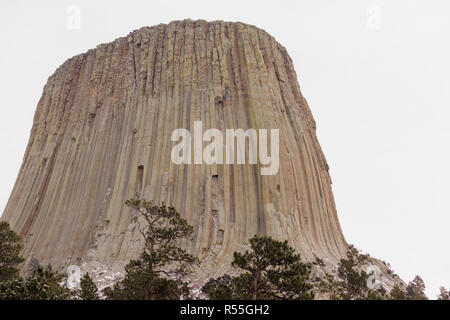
x=101 y=135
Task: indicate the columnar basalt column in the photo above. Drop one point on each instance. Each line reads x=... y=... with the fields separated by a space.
x=102 y=134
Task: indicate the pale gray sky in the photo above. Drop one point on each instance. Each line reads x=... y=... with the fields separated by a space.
x=376 y=76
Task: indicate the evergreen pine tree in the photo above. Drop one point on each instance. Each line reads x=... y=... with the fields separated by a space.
x=9 y=253
x=88 y=288
x=351 y=281
x=271 y=270
x=416 y=289
x=397 y=293
x=158 y=273
x=444 y=294
x=42 y=284
x=220 y=288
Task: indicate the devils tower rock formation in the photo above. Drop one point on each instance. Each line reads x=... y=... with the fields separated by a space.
x=102 y=134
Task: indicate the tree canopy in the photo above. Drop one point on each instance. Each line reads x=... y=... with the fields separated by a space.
x=351 y=282
x=270 y=270
x=159 y=271
x=416 y=289
x=9 y=252
x=42 y=284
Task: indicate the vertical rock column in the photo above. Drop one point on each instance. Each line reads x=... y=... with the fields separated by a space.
x=102 y=134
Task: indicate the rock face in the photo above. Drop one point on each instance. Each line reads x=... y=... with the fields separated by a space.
x=102 y=134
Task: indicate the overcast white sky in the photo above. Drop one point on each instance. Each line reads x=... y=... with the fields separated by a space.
x=376 y=76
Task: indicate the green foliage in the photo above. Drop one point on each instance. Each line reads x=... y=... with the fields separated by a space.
x=351 y=283
x=379 y=294
x=397 y=293
x=42 y=284
x=145 y=285
x=444 y=294
x=220 y=288
x=416 y=289
x=9 y=253
x=88 y=289
x=159 y=271
x=271 y=270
